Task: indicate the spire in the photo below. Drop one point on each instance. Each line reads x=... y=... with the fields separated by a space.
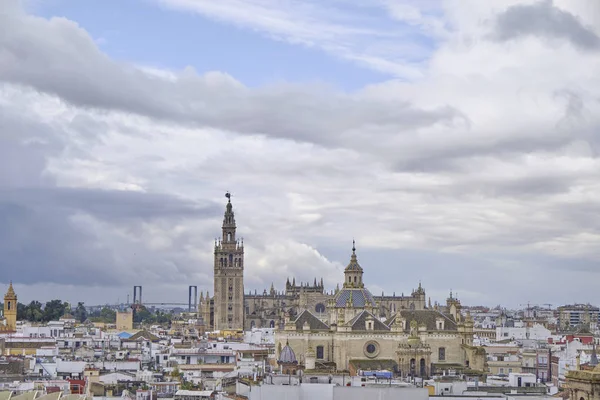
x=353 y=272
x=10 y=294
x=322 y=282
x=354 y=265
x=229 y=222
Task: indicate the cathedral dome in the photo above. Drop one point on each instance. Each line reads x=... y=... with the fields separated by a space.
x=354 y=293
x=358 y=297
x=287 y=356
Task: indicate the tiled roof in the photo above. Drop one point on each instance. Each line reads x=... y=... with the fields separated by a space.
x=427 y=317
x=358 y=323
x=143 y=335
x=314 y=323
x=361 y=297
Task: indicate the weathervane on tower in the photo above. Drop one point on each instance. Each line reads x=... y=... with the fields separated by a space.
x=228 y=195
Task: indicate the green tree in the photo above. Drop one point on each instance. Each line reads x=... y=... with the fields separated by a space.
x=33 y=312
x=175 y=373
x=53 y=310
x=80 y=313
x=107 y=315
x=21 y=311
x=162 y=317
x=142 y=315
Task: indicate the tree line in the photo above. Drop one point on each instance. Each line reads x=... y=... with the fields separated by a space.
x=53 y=310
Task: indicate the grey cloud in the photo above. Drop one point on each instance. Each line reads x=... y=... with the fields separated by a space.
x=39 y=237
x=110 y=204
x=544 y=20
x=42 y=241
x=60 y=58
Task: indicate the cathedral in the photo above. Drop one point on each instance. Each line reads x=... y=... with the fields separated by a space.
x=348 y=328
x=232 y=309
x=356 y=334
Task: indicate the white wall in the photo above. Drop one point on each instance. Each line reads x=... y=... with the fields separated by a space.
x=332 y=392
x=536 y=332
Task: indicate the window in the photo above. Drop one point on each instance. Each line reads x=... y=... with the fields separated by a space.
x=505 y=334
x=354 y=279
x=319 y=352
x=442 y=354
x=501 y=370
x=320 y=308
x=371 y=349
x=8 y=305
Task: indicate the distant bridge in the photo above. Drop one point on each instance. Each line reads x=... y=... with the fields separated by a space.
x=192 y=298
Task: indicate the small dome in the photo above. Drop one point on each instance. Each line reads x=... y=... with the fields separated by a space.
x=353 y=265
x=287 y=355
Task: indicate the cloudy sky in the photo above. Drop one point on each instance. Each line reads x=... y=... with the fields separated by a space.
x=455 y=140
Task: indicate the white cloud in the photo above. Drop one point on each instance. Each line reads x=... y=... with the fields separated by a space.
x=487 y=161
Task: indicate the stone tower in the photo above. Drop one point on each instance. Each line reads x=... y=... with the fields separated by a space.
x=229 y=276
x=10 y=308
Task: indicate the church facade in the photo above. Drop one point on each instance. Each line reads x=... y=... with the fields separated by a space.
x=353 y=335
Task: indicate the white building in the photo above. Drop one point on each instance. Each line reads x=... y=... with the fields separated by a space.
x=536 y=332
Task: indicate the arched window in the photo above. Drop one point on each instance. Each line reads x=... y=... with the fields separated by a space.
x=228 y=236
x=8 y=305
x=349 y=279
x=272 y=324
x=252 y=324
x=442 y=354
x=231 y=259
x=320 y=352
x=320 y=308
x=355 y=279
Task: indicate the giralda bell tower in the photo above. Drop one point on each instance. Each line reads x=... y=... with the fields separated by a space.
x=229 y=276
